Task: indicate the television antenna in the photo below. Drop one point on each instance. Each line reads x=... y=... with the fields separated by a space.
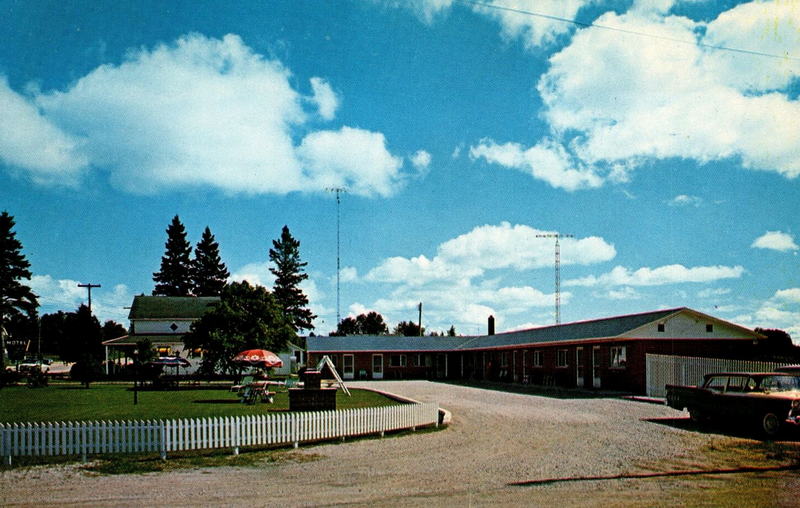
x=557 y=269
x=338 y=191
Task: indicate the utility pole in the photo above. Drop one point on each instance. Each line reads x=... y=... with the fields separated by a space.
x=420 y=319
x=89 y=287
x=558 y=270
x=337 y=191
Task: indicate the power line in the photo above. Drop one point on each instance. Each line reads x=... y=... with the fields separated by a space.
x=630 y=32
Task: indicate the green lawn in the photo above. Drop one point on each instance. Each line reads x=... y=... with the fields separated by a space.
x=69 y=402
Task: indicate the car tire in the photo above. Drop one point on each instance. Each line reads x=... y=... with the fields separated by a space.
x=696 y=416
x=770 y=424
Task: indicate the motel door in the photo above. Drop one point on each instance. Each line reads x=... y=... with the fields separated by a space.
x=377 y=366
x=596 y=366
x=579 y=363
x=348 y=371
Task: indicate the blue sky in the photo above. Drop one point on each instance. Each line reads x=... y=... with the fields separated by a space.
x=461 y=130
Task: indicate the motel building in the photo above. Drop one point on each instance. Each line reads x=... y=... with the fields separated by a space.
x=606 y=354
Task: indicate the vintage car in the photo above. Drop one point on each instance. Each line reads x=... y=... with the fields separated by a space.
x=769 y=400
x=32 y=364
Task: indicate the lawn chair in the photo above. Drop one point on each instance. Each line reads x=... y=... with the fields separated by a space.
x=244 y=383
x=255 y=391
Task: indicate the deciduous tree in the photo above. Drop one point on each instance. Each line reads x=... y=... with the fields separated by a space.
x=246 y=317
x=371 y=323
x=408 y=329
x=85 y=348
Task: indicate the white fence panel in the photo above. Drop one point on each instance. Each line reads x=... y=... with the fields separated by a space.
x=688 y=370
x=83 y=438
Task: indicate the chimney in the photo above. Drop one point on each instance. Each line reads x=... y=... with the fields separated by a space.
x=491 y=325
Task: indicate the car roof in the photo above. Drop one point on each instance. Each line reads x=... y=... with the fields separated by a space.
x=753 y=374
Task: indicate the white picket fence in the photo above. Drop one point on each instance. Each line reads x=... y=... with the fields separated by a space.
x=689 y=370
x=163 y=436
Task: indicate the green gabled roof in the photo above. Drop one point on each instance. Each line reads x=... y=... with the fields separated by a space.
x=171 y=307
x=382 y=343
x=581 y=330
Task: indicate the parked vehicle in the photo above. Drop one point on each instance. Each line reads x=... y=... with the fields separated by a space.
x=769 y=400
x=31 y=364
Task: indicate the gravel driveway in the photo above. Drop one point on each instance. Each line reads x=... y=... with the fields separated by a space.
x=495 y=438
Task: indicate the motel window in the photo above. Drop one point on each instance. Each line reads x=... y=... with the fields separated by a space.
x=504 y=359
x=618 y=357
x=709 y=328
x=397 y=361
x=661 y=327
x=561 y=358
x=537 y=359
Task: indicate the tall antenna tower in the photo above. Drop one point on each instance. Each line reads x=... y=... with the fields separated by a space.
x=558 y=270
x=337 y=191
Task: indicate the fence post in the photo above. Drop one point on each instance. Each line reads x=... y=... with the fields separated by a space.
x=235 y=422
x=83 y=443
x=162 y=427
x=6 y=443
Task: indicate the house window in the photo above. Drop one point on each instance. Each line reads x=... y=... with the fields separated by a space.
x=561 y=358
x=661 y=327
x=397 y=360
x=618 y=357
x=709 y=328
x=537 y=359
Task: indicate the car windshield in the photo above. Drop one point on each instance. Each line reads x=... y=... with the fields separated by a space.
x=780 y=383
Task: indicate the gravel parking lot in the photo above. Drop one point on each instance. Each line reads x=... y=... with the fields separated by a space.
x=495 y=438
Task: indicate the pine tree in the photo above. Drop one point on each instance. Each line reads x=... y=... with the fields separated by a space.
x=209 y=273
x=17 y=301
x=288 y=272
x=175 y=276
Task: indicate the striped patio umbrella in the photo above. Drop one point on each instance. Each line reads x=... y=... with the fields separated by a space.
x=258 y=358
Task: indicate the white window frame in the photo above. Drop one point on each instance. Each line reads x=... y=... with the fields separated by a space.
x=562 y=358
x=401 y=358
x=619 y=357
x=538 y=358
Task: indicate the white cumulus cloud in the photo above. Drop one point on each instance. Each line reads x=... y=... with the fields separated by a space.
x=775 y=240
x=198 y=112
x=547 y=161
x=462 y=282
x=29 y=140
x=325 y=98
x=421 y=159
x=655 y=88
x=352 y=158
x=669 y=274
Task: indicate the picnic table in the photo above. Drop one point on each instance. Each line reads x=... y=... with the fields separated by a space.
x=258 y=390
